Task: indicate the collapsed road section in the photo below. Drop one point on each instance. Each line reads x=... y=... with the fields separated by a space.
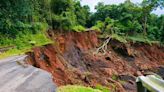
x=16 y=76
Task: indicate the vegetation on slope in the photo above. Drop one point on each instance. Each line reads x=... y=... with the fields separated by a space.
x=76 y=88
x=24 y=40
x=23 y=22
x=129 y=19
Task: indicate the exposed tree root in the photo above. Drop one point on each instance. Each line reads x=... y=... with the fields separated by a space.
x=103 y=48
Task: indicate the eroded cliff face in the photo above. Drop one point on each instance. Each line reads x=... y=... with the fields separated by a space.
x=70 y=60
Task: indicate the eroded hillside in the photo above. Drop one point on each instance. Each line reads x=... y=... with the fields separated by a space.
x=71 y=60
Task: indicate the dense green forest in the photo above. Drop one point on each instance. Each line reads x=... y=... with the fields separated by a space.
x=23 y=23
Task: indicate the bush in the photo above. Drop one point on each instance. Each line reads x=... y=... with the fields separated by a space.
x=78 y=28
x=119 y=38
x=22 y=26
x=38 y=26
x=99 y=26
x=25 y=39
x=95 y=28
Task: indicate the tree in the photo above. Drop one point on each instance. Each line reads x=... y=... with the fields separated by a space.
x=147 y=7
x=125 y=16
x=82 y=13
x=160 y=24
x=63 y=16
x=69 y=13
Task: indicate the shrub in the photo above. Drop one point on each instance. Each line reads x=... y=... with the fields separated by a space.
x=78 y=28
x=95 y=28
x=119 y=38
x=99 y=26
x=37 y=26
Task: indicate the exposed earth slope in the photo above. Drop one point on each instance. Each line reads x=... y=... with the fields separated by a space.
x=72 y=60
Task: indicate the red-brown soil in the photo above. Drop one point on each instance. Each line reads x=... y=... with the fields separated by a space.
x=70 y=60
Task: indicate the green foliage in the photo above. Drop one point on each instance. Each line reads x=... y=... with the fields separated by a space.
x=78 y=28
x=60 y=6
x=75 y=88
x=23 y=42
x=102 y=88
x=82 y=13
x=140 y=38
x=17 y=15
x=129 y=19
x=13 y=52
x=99 y=26
x=23 y=22
x=64 y=21
x=119 y=38
x=96 y=28
x=68 y=13
x=122 y=17
x=31 y=35
x=63 y=17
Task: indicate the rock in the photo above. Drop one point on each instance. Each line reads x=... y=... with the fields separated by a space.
x=129 y=87
x=138 y=73
x=160 y=71
x=15 y=77
x=127 y=77
x=128 y=82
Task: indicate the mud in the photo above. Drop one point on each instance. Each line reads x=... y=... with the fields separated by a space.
x=70 y=60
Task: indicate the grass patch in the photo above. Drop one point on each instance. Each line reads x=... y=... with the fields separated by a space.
x=75 y=88
x=135 y=38
x=24 y=43
x=102 y=88
x=138 y=38
x=24 y=40
x=13 y=52
x=141 y=38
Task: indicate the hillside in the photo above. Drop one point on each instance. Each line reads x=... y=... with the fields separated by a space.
x=84 y=51
x=71 y=61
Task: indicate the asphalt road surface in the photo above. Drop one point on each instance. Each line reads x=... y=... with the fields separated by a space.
x=16 y=76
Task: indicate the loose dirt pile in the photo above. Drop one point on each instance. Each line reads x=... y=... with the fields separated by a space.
x=70 y=60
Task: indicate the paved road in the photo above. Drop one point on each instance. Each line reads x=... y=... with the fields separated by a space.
x=15 y=76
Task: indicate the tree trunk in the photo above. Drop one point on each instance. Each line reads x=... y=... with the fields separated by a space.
x=145 y=25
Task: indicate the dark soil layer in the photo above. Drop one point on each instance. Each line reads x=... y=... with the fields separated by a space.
x=70 y=60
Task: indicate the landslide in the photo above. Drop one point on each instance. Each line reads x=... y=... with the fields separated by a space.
x=71 y=60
